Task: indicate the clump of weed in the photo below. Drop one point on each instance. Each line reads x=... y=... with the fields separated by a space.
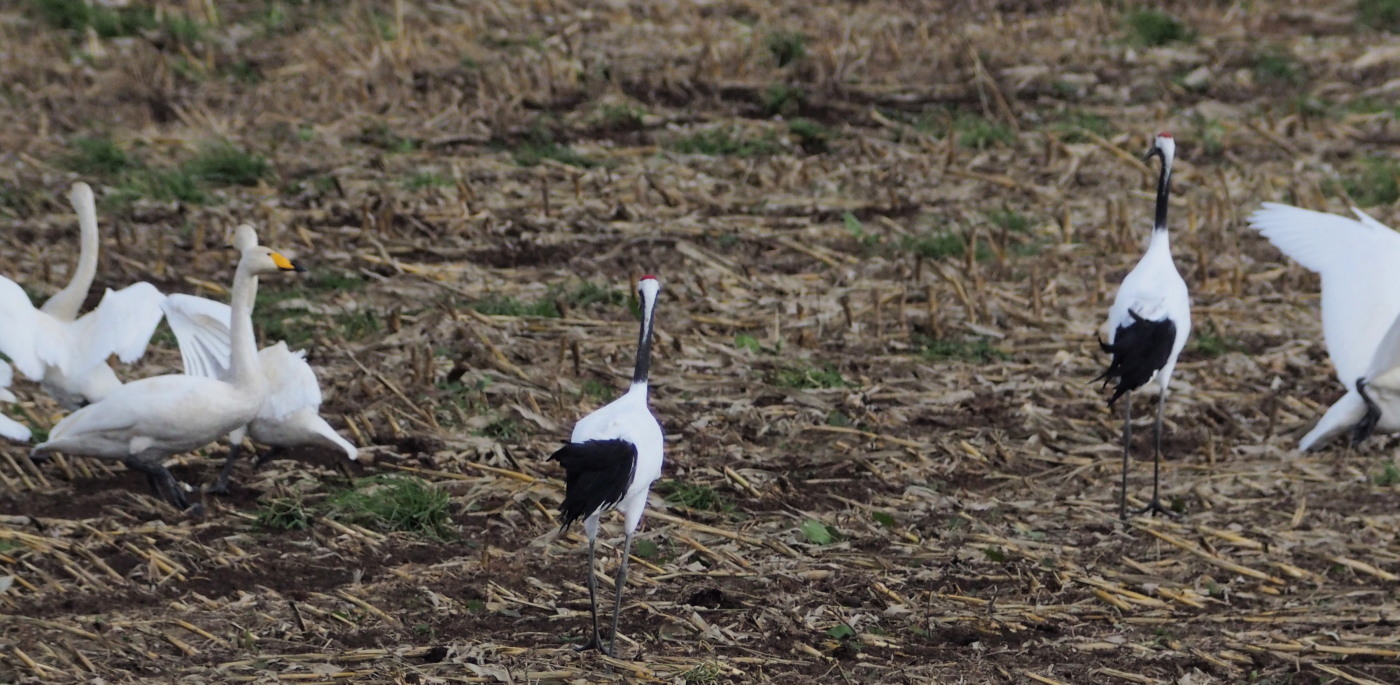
x=395 y=503
x=1210 y=342
x=1383 y=15
x=976 y=351
x=1074 y=125
x=694 y=496
x=1151 y=28
x=620 y=118
x=942 y=244
x=1389 y=475
x=106 y=22
x=426 y=179
x=813 y=137
x=783 y=99
x=504 y=430
x=539 y=145
x=727 y=142
x=703 y=673
x=498 y=305
x=1376 y=184
x=980 y=133
x=225 y=164
x=384 y=138
x=97 y=157
x=1276 y=67
x=786 y=46
x=1008 y=219
x=285 y=513
x=808 y=377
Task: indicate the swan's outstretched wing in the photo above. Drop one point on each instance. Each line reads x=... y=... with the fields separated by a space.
x=18 y=329
x=201 y=328
x=122 y=324
x=291 y=384
x=1359 y=261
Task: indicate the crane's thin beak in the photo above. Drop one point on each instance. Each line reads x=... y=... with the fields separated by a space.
x=1154 y=152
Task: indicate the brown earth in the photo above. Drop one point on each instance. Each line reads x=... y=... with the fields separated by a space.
x=884 y=263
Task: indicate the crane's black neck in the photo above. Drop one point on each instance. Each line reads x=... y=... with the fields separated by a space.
x=1159 y=223
x=643 y=368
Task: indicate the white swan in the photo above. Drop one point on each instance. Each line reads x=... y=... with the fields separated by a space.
x=67 y=353
x=1359 y=261
x=145 y=421
x=290 y=414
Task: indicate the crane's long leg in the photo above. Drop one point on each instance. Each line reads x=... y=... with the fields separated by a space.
x=220 y=486
x=1127 y=446
x=621 y=583
x=1155 y=506
x=593 y=642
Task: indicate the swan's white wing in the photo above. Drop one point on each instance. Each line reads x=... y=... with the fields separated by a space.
x=18 y=328
x=1387 y=356
x=1359 y=262
x=201 y=328
x=291 y=384
x=122 y=324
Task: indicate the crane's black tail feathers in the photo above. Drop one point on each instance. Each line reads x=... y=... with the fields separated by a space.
x=1140 y=349
x=597 y=474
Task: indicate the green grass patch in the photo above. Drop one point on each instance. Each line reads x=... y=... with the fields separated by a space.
x=1210 y=342
x=1375 y=183
x=385 y=138
x=498 y=305
x=727 y=142
x=942 y=244
x=811 y=136
x=1073 y=126
x=817 y=533
x=589 y=293
x=980 y=133
x=1382 y=15
x=1008 y=219
x=224 y=164
x=1276 y=67
x=1389 y=475
x=97 y=157
x=621 y=118
x=106 y=22
x=595 y=390
x=285 y=513
x=539 y=144
x=694 y=496
x=786 y=46
x=974 y=351
x=781 y=99
x=745 y=341
x=358 y=324
x=395 y=503
x=808 y=377
x=422 y=180
x=1151 y=28
x=504 y=430
x=704 y=673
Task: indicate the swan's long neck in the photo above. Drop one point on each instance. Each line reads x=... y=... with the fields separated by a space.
x=64 y=305
x=1159 y=223
x=243 y=353
x=643 y=368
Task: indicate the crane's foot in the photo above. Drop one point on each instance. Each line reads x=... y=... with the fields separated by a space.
x=220 y=487
x=1154 y=508
x=593 y=643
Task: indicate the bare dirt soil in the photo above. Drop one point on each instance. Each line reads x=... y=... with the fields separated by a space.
x=887 y=233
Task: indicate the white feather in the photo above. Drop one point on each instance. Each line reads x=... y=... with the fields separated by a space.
x=1359 y=264
x=1154 y=290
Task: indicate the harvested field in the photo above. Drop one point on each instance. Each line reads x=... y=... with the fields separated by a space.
x=887 y=233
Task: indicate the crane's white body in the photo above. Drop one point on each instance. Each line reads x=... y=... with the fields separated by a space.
x=627 y=418
x=1154 y=290
x=1359 y=262
x=290 y=412
x=68 y=353
x=146 y=421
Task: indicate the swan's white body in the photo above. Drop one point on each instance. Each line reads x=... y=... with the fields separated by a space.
x=290 y=412
x=1359 y=262
x=148 y=420
x=67 y=353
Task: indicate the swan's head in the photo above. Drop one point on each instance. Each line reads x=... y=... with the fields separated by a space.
x=259 y=259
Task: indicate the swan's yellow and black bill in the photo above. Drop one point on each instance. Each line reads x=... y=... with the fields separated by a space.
x=285 y=264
